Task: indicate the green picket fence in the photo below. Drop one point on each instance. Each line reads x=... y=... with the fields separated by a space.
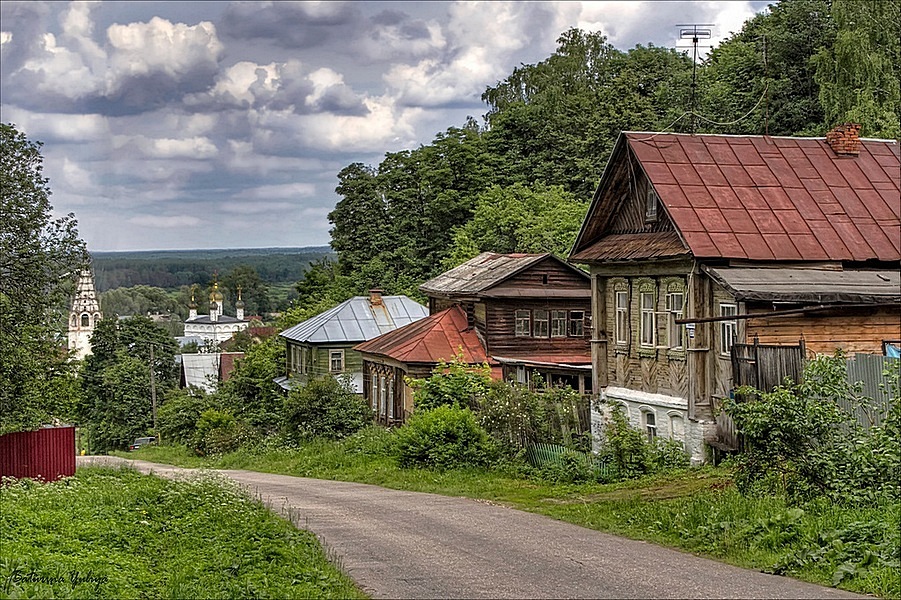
x=544 y=455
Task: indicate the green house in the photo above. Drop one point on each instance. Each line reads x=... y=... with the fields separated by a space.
x=324 y=343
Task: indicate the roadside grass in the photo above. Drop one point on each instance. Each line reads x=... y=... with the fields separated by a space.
x=114 y=533
x=698 y=510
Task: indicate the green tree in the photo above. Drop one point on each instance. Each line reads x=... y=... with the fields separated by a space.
x=860 y=74
x=325 y=407
x=254 y=292
x=519 y=219
x=735 y=75
x=250 y=394
x=40 y=257
x=117 y=398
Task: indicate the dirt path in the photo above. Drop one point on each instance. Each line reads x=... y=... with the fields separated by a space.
x=398 y=544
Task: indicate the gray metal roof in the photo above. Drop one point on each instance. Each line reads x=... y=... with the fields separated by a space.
x=480 y=273
x=201 y=370
x=811 y=285
x=357 y=320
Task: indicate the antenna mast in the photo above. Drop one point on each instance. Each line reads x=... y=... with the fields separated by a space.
x=692 y=31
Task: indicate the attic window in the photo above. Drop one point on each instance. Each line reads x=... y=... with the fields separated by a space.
x=650 y=213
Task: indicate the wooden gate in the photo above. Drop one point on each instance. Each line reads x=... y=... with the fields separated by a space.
x=762 y=367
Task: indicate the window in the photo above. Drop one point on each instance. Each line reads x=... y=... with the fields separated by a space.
x=523 y=323
x=540 y=323
x=558 y=323
x=675 y=301
x=85 y=320
x=374 y=393
x=648 y=329
x=336 y=361
x=622 y=318
x=576 y=323
x=650 y=425
x=650 y=213
x=728 y=329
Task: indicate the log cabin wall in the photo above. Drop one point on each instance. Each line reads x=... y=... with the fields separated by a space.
x=852 y=330
x=500 y=333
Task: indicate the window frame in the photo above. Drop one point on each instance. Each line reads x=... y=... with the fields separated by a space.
x=647 y=323
x=621 y=317
x=650 y=425
x=673 y=329
x=572 y=321
x=331 y=360
x=651 y=200
x=728 y=328
x=522 y=319
x=541 y=323
x=559 y=324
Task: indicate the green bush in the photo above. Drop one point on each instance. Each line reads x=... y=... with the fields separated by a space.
x=325 y=407
x=627 y=447
x=178 y=416
x=800 y=444
x=443 y=438
x=454 y=383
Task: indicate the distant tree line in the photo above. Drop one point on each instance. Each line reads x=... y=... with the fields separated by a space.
x=173 y=270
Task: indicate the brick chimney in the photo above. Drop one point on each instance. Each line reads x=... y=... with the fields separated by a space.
x=844 y=139
x=375 y=297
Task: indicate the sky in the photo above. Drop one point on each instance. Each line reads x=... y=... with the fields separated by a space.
x=181 y=125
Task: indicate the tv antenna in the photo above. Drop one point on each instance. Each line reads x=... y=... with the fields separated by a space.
x=695 y=32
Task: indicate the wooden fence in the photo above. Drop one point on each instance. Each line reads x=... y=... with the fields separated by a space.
x=762 y=367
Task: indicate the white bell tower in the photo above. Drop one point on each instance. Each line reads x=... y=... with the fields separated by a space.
x=83 y=315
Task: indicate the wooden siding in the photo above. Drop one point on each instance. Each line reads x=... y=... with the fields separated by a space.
x=500 y=334
x=558 y=277
x=657 y=370
x=854 y=330
x=317 y=359
x=630 y=215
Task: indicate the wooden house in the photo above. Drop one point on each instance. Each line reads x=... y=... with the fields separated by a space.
x=699 y=243
x=522 y=314
x=324 y=344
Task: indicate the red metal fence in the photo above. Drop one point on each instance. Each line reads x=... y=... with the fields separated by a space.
x=47 y=453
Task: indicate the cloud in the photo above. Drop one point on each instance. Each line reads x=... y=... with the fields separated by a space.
x=141 y=66
x=287 y=86
x=294 y=25
x=161 y=222
x=138 y=146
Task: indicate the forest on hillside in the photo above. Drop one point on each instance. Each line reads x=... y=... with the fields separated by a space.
x=520 y=180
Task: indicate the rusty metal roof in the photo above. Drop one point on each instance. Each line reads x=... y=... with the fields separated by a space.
x=357 y=320
x=634 y=246
x=826 y=286
x=777 y=198
x=485 y=271
x=437 y=337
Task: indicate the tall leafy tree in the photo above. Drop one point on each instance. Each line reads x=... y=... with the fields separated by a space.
x=764 y=73
x=519 y=219
x=860 y=74
x=254 y=292
x=117 y=389
x=40 y=257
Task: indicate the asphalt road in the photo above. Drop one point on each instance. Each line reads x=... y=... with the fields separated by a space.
x=398 y=544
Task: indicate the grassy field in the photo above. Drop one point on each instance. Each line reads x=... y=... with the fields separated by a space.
x=699 y=510
x=109 y=533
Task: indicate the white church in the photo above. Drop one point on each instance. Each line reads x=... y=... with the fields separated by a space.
x=84 y=314
x=216 y=327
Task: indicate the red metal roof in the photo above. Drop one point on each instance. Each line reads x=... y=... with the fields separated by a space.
x=437 y=337
x=772 y=198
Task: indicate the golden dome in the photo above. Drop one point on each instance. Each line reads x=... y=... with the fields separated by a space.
x=215 y=294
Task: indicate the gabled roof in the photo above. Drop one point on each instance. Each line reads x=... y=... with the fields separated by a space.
x=437 y=337
x=764 y=198
x=485 y=271
x=357 y=320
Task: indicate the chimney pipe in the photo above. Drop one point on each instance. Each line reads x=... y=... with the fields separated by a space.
x=844 y=139
x=375 y=296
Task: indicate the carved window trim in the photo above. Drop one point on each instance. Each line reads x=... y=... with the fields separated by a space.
x=647 y=317
x=675 y=288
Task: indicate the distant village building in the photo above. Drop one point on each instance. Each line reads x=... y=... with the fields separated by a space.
x=84 y=315
x=214 y=328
